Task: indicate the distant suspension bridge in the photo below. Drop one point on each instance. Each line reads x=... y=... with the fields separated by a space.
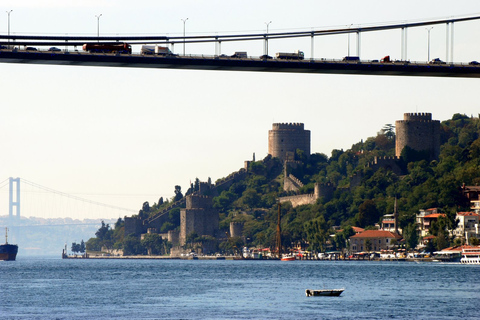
x=32 y=199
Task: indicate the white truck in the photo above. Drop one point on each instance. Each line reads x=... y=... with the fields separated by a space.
x=297 y=55
x=158 y=50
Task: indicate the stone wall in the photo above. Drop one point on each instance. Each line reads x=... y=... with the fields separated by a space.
x=133 y=226
x=299 y=200
x=291 y=183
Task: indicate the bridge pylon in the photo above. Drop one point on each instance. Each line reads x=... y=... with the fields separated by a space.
x=14 y=201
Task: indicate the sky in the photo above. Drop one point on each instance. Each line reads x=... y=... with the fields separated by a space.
x=123 y=136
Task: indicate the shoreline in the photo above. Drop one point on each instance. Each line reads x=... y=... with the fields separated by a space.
x=418 y=260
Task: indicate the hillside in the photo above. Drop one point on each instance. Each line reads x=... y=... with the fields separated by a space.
x=364 y=191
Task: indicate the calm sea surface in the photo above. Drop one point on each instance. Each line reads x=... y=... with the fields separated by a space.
x=43 y=288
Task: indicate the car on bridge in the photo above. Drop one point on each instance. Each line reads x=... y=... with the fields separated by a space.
x=54 y=49
x=351 y=59
x=436 y=61
x=474 y=63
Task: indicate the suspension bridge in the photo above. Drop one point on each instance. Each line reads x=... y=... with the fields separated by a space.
x=101 y=55
x=30 y=199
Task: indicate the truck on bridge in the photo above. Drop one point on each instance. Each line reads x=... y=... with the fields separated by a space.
x=158 y=50
x=297 y=55
x=107 y=48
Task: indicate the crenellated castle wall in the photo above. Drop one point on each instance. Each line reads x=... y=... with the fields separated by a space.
x=321 y=190
x=419 y=132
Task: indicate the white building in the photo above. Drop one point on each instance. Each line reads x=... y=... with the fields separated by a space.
x=468 y=225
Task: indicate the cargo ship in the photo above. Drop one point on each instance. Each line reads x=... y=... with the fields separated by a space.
x=8 y=251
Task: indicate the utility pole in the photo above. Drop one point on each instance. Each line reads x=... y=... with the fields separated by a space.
x=279 y=233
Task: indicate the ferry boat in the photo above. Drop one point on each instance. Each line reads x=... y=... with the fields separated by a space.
x=470 y=255
x=8 y=251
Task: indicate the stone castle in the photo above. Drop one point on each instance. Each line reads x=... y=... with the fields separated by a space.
x=417 y=131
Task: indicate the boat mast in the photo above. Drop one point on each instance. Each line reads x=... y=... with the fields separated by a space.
x=279 y=235
x=6 y=235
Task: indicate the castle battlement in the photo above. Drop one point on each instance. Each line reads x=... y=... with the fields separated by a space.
x=288 y=126
x=417 y=116
x=198 y=201
x=417 y=121
x=379 y=160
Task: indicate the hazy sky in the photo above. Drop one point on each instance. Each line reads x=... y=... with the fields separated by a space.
x=122 y=136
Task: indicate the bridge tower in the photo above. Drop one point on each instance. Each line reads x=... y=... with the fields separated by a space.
x=11 y=202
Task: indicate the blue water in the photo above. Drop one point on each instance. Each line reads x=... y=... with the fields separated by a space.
x=42 y=288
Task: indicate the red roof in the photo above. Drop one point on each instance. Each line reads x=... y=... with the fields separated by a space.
x=435 y=215
x=377 y=234
x=467 y=214
x=358 y=230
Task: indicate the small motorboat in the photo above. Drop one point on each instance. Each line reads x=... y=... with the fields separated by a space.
x=288 y=257
x=324 y=292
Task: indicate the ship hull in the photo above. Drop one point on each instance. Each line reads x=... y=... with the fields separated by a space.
x=8 y=252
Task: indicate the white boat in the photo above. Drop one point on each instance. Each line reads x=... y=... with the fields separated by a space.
x=324 y=292
x=470 y=255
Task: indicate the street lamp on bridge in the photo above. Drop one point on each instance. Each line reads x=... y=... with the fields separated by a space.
x=428 y=29
x=8 y=13
x=266 y=38
x=98 y=26
x=184 y=20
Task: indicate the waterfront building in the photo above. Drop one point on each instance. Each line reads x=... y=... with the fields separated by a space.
x=425 y=218
x=468 y=226
x=373 y=240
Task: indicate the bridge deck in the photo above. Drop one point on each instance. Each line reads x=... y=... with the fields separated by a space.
x=399 y=68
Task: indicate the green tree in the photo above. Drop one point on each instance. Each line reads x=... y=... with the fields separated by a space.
x=178 y=193
x=102 y=233
x=317 y=234
x=368 y=214
x=132 y=246
x=153 y=243
x=410 y=235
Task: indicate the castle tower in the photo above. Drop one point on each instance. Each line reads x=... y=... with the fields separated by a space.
x=236 y=229
x=419 y=132
x=285 y=138
x=198 y=217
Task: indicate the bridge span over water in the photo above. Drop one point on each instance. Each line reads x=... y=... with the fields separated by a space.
x=11 y=52
x=201 y=62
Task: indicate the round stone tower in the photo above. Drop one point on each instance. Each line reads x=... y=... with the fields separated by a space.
x=285 y=138
x=236 y=229
x=419 y=132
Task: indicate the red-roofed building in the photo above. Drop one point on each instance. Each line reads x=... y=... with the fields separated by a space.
x=373 y=240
